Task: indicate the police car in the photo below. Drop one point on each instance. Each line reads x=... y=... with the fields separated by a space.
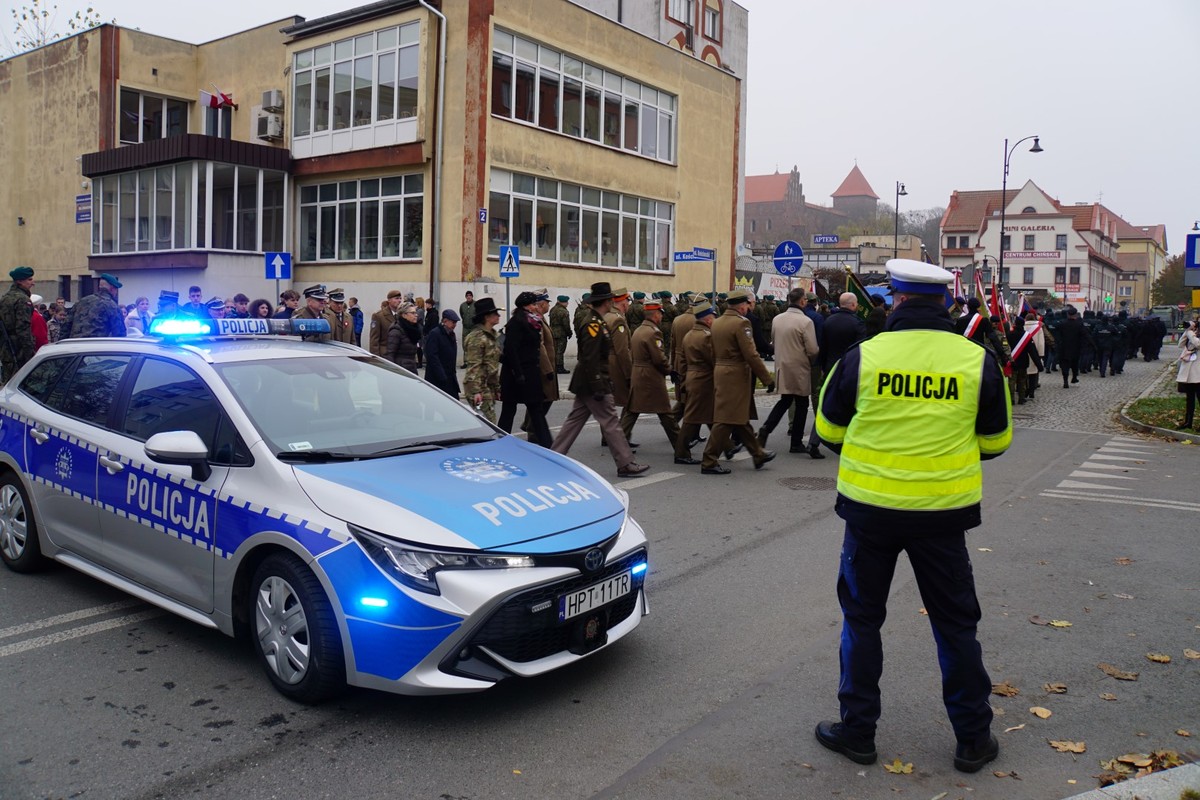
x=355 y=523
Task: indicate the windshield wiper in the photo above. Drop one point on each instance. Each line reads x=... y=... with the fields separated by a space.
x=316 y=456
x=432 y=444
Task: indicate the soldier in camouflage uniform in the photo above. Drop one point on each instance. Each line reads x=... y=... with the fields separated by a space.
x=582 y=311
x=98 y=314
x=560 y=326
x=636 y=311
x=16 y=313
x=481 y=354
x=668 y=316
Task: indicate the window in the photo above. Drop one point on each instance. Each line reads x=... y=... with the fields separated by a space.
x=1074 y=275
x=1029 y=237
x=566 y=223
x=218 y=122
x=1124 y=291
x=1006 y=242
x=44 y=377
x=964 y=242
x=1004 y=276
x=1060 y=276
x=712 y=20
x=154 y=209
x=1060 y=241
x=1028 y=276
x=363 y=220
x=951 y=242
x=1028 y=210
x=682 y=11
x=539 y=86
x=358 y=82
x=145 y=117
x=89 y=393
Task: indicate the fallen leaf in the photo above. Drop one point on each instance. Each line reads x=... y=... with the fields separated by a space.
x=997 y=711
x=1012 y=775
x=1136 y=759
x=1119 y=674
x=1069 y=747
x=1190 y=653
x=1071 y=781
x=1038 y=711
x=1182 y=732
x=1005 y=689
x=1059 y=623
x=923 y=612
x=999 y=774
x=941 y=796
x=1055 y=688
x=1123 y=596
x=1123 y=561
x=1159 y=658
x=806 y=765
x=516 y=772
x=1107 y=696
x=1022 y=725
x=898 y=768
x=984 y=549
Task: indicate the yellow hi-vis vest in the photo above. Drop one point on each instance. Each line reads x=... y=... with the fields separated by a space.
x=911 y=444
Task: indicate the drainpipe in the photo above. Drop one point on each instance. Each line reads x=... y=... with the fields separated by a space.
x=435 y=261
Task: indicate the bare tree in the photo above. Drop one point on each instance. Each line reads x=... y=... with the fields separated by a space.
x=37 y=23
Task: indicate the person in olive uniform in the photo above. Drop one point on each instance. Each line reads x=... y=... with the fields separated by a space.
x=582 y=311
x=16 y=314
x=680 y=327
x=481 y=352
x=593 y=388
x=648 y=387
x=620 y=358
x=636 y=311
x=315 y=301
x=737 y=362
x=341 y=321
x=98 y=314
x=696 y=361
x=382 y=322
x=560 y=326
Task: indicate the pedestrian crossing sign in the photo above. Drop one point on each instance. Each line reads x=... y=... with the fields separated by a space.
x=510 y=261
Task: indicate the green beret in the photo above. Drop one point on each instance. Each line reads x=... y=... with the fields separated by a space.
x=639 y=295
x=562 y=298
x=586 y=296
x=768 y=297
x=664 y=294
x=709 y=295
x=722 y=296
x=685 y=294
x=111 y=280
x=21 y=273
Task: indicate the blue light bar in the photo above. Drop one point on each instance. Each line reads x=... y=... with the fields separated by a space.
x=180 y=327
x=186 y=326
x=374 y=602
x=638 y=569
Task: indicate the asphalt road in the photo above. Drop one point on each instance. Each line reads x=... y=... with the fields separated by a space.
x=717 y=693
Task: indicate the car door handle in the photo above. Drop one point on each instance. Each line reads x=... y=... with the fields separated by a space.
x=112 y=466
x=38 y=436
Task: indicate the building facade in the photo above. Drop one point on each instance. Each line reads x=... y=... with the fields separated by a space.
x=777 y=210
x=395 y=145
x=1142 y=255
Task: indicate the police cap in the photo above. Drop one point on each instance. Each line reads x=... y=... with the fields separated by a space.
x=906 y=276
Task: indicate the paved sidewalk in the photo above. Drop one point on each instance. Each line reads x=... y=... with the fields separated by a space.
x=1168 y=785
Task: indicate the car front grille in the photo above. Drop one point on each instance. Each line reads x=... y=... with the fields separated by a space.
x=526 y=627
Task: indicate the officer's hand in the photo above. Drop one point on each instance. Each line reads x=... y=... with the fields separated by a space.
x=770 y=388
x=478 y=400
x=676 y=377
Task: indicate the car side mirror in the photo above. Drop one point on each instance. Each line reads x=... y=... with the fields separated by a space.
x=185 y=448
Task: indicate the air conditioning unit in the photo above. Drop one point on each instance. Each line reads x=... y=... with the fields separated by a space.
x=270 y=126
x=272 y=100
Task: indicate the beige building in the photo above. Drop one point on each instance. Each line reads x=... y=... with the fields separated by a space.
x=1142 y=254
x=594 y=148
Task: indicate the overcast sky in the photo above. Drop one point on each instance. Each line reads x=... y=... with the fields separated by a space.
x=926 y=91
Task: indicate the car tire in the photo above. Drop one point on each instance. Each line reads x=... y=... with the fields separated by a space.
x=19 y=546
x=294 y=632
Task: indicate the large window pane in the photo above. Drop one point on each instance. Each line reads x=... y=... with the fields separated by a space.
x=145 y=191
x=572 y=116
x=368 y=230
x=649 y=132
x=362 y=91
x=645 y=244
x=108 y=236
x=385 y=106
x=308 y=233
x=525 y=89
x=152 y=118
x=176 y=117
x=347 y=231
x=608 y=239
x=202 y=205
x=164 y=205
x=502 y=83
x=547 y=230
x=247 y=201
x=131 y=116
x=128 y=212
x=629 y=242
x=97 y=214
x=406 y=91
x=341 y=95
x=273 y=206
x=568 y=251
x=522 y=223
x=414 y=215
x=497 y=222
x=548 y=101
x=663 y=252
x=589 y=244
x=612 y=120
x=328 y=233
x=321 y=100
x=302 y=104
x=392 y=226
x=591 y=114
x=664 y=136
x=223 y=210
x=631 y=125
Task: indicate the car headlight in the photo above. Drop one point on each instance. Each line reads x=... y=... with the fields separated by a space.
x=418 y=566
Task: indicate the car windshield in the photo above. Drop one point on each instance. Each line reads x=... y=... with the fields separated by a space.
x=347 y=406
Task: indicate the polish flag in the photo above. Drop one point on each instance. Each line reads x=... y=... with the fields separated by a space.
x=1025 y=338
x=218 y=100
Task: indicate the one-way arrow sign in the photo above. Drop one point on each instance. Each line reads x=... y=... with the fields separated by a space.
x=279 y=266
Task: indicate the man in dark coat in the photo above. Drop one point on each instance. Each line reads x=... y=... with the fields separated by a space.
x=520 y=370
x=842 y=329
x=441 y=348
x=1069 y=341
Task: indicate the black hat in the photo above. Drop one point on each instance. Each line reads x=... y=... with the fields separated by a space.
x=601 y=291
x=484 y=307
x=525 y=299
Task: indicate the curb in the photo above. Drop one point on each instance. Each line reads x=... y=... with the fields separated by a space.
x=1142 y=427
x=1166 y=785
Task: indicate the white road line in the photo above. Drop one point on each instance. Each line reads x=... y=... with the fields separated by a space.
x=1122 y=467
x=1174 y=505
x=1115 y=458
x=1126 y=449
x=62 y=619
x=1081 y=474
x=75 y=633
x=1082 y=485
x=637 y=483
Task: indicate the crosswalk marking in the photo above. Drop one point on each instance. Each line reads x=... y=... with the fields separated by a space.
x=1175 y=505
x=1121 y=467
x=1107 y=457
x=1081 y=485
x=1081 y=474
x=75 y=633
x=637 y=483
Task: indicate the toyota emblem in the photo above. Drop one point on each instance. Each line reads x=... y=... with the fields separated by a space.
x=594 y=559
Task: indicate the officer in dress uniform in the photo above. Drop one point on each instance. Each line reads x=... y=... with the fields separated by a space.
x=912 y=411
x=648 y=386
x=341 y=321
x=680 y=327
x=737 y=363
x=315 y=300
x=695 y=364
x=620 y=358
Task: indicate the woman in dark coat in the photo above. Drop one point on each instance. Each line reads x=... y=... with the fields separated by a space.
x=520 y=370
x=403 y=338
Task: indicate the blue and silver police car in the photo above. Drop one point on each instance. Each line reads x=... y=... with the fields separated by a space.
x=356 y=524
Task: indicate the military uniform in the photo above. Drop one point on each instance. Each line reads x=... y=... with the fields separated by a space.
x=341 y=323
x=620 y=361
x=481 y=352
x=680 y=327
x=16 y=314
x=96 y=315
x=737 y=363
x=636 y=311
x=697 y=364
x=648 y=388
x=560 y=326
x=307 y=313
x=381 y=322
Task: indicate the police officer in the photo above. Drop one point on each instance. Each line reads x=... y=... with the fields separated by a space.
x=736 y=365
x=315 y=301
x=560 y=326
x=481 y=353
x=98 y=314
x=341 y=321
x=912 y=411
x=648 y=387
x=16 y=314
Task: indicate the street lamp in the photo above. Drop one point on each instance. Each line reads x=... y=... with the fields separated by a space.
x=896 y=228
x=1037 y=148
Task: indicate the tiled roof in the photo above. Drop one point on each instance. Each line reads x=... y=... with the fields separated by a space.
x=1155 y=233
x=855 y=185
x=766 y=188
x=968 y=209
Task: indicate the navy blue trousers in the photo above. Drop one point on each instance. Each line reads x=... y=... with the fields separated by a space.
x=947 y=585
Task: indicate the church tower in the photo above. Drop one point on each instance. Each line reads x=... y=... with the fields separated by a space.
x=855 y=198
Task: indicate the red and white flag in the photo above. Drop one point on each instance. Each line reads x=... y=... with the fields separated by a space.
x=218 y=100
x=973 y=325
x=1025 y=339
x=958 y=290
